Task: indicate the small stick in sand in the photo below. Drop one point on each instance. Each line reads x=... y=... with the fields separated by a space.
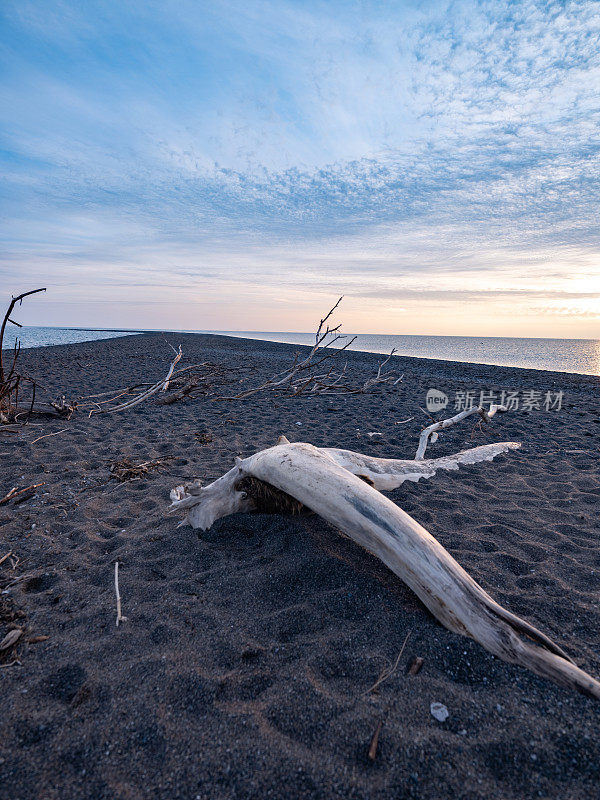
x=387 y=673
x=8 y=555
x=375 y=741
x=45 y=436
x=15 y=492
x=14 y=582
x=416 y=665
x=384 y=676
x=8 y=495
x=120 y=617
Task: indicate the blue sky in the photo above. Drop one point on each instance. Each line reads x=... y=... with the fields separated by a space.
x=225 y=165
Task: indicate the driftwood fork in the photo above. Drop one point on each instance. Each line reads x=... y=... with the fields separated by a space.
x=342 y=487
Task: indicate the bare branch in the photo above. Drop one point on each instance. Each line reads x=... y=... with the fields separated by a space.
x=160 y=385
x=431 y=431
x=19 y=299
x=300 y=377
x=389 y=377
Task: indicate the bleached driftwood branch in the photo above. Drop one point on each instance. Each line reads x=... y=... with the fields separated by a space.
x=120 y=617
x=316 y=480
x=303 y=378
x=185 y=382
x=219 y=499
x=389 y=377
x=431 y=432
x=161 y=385
x=320 y=352
x=331 y=383
x=386 y=474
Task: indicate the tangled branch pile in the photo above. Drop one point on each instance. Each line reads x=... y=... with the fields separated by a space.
x=126 y=470
x=308 y=375
x=17 y=390
x=192 y=381
x=12 y=382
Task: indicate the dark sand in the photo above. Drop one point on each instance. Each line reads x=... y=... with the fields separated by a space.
x=242 y=668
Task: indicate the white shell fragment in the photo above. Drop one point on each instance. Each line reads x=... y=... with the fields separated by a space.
x=11 y=638
x=439 y=711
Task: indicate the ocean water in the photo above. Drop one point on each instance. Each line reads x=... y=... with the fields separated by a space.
x=41 y=337
x=560 y=355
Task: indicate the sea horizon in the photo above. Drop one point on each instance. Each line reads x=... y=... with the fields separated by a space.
x=577 y=356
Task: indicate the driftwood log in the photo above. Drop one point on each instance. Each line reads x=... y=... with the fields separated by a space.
x=342 y=487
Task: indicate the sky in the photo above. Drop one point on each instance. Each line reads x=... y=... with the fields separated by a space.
x=239 y=165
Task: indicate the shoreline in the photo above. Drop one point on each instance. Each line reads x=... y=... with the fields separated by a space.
x=294 y=347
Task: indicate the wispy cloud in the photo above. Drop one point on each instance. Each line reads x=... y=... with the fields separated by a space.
x=403 y=150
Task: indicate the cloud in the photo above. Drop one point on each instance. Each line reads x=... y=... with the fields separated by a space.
x=348 y=144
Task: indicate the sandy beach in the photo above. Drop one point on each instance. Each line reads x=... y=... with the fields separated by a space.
x=244 y=666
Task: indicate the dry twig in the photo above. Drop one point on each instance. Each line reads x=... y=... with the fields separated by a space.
x=11 y=381
x=20 y=578
x=46 y=435
x=389 y=377
x=388 y=671
x=375 y=741
x=304 y=378
x=16 y=492
x=19 y=299
x=120 y=617
x=415 y=666
x=321 y=351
